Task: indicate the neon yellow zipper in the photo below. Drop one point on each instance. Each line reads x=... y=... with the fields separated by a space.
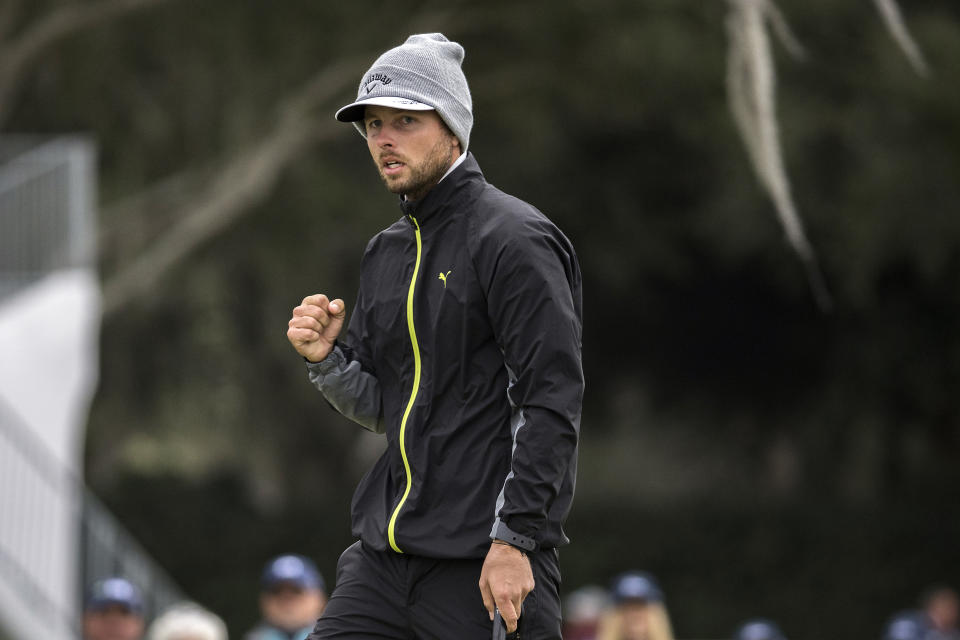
x=413 y=392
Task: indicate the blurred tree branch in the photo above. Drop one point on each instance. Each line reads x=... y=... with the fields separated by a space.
x=783 y=31
x=751 y=91
x=206 y=201
x=890 y=13
x=207 y=206
x=17 y=53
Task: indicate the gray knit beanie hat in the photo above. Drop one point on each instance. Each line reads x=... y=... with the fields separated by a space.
x=421 y=74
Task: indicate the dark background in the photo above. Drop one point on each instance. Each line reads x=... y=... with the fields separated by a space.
x=759 y=455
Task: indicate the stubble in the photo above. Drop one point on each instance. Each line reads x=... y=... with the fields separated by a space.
x=425 y=176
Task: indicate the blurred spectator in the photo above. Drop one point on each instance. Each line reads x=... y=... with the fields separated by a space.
x=582 y=610
x=113 y=610
x=638 y=611
x=907 y=625
x=292 y=597
x=942 y=608
x=187 y=621
x=759 y=629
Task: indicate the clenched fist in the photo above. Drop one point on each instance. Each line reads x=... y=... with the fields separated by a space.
x=315 y=325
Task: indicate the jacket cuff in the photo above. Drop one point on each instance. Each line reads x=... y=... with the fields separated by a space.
x=501 y=531
x=335 y=360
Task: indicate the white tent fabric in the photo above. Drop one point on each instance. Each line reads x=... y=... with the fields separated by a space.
x=49 y=336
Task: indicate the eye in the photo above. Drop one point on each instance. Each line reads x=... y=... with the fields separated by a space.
x=407 y=120
x=372 y=124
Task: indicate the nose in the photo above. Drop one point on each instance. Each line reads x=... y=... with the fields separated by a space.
x=382 y=138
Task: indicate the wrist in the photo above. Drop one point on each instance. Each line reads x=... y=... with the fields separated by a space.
x=318 y=356
x=503 y=543
x=502 y=532
x=328 y=356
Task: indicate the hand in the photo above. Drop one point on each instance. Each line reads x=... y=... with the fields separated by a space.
x=315 y=325
x=505 y=580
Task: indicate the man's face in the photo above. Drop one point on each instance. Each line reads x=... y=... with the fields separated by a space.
x=944 y=610
x=412 y=149
x=291 y=607
x=113 y=622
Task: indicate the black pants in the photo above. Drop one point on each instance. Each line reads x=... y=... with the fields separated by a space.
x=386 y=595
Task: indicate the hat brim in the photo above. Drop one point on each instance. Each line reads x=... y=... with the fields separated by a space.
x=354 y=112
x=99 y=604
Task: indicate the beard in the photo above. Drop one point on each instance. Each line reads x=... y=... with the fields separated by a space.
x=424 y=176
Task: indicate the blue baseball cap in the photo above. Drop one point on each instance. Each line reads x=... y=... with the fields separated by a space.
x=114 y=591
x=292 y=569
x=907 y=625
x=635 y=585
x=759 y=629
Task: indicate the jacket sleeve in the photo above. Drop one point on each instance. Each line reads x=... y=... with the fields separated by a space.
x=532 y=279
x=346 y=379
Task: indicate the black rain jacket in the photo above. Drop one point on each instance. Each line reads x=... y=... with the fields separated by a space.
x=464 y=348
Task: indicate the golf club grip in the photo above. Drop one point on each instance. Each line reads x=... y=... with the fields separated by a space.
x=500 y=628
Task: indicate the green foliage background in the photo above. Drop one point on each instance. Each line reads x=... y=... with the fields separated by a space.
x=759 y=456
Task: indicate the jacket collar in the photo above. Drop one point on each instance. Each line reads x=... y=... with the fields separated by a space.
x=448 y=191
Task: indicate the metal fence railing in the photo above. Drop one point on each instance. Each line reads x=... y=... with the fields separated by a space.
x=109 y=550
x=38 y=502
x=55 y=536
x=43 y=502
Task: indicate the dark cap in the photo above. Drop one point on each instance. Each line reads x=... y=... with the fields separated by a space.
x=114 y=591
x=635 y=585
x=292 y=569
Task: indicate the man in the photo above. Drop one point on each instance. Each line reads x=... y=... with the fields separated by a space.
x=292 y=597
x=464 y=349
x=583 y=610
x=113 y=610
x=941 y=604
